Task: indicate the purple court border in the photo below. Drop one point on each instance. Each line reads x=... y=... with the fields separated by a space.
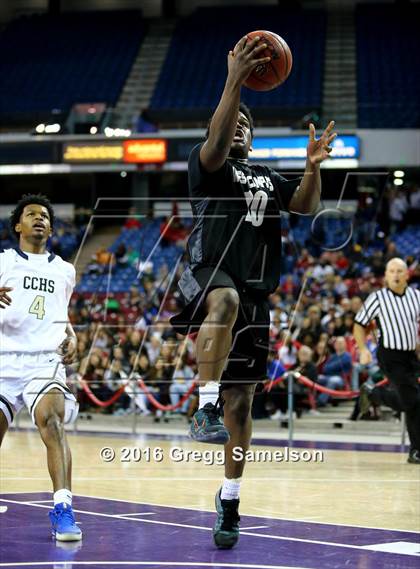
x=307 y=444
x=128 y=534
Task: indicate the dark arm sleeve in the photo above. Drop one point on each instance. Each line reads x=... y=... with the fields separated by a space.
x=202 y=183
x=283 y=189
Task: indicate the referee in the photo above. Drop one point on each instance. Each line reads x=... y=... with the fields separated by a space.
x=396 y=310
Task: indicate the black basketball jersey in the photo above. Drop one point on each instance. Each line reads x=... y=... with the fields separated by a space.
x=237 y=220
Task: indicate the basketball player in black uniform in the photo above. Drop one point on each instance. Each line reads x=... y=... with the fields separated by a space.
x=234 y=253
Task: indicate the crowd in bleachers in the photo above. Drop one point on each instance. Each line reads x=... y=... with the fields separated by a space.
x=127 y=294
x=124 y=333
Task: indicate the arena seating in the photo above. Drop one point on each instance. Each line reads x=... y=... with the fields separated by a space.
x=408 y=241
x=329 y=232
x=145 y=240
x=388 y=47
x=74 y=58
x=194 y=71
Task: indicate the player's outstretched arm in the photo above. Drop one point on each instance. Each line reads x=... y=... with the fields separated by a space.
x=306 y=198
x=241 y=61
x=359 y=334
x=5 y=299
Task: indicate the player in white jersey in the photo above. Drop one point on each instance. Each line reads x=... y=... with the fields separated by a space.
x=36 y=340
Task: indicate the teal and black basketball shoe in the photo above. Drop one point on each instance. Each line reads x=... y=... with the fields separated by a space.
x=206 y=426
x=64 y=527
x=226 y=528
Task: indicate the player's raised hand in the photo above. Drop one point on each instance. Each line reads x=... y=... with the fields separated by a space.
x=68 y=349
x=244 y=58
x=319 y=149
x=5 y=299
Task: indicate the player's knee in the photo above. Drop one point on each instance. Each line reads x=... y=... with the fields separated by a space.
x=225 y=305
x=53 y=427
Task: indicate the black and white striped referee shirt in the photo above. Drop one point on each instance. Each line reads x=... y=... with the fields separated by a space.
x=397 y=317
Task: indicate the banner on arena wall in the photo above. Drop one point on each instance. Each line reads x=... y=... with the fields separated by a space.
x=294 y=147
x=145 y=151
x=93 y=152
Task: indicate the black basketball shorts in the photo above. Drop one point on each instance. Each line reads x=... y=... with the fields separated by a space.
x=247 y=360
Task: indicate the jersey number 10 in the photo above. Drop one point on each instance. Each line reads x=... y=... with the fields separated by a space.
x=256 y=207
x=37 y=307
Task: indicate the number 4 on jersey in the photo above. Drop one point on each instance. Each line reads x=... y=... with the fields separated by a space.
x=37 y=307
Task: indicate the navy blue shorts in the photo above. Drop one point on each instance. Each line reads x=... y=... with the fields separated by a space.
x=247 y=361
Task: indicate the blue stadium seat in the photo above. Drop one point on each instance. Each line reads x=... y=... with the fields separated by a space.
x=388 y=62
x=54 y=61
x=194 y=71
x=144 y=240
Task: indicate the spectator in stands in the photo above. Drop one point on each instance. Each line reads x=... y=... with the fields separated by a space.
x=132 y=344
x=278 y=395
x=312 y=323
x=397 y=210
x=132 y=221
x=390 y=253
x=121 y=257
x=172 y=232
x=321 y=354
x=355 y=304
x=275 y=368
x=182 y=380
x=92 y=370
x=307 y=368
x=103 y=340
x=413 y=214
x=103 y=257
x=141 y=370
x=117 y=354
x=133 y=256
x=153 y=347
x=288 y=350
x=115 y=377
x=160 y=378
x=322 y=269
x=335 y=370
x=348 y=323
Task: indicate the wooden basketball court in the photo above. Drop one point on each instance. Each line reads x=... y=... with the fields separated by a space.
x=153 y=505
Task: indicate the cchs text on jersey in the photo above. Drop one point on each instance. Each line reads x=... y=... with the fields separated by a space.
x=38 y=283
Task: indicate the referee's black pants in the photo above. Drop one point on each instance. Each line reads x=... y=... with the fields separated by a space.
x=402 y=368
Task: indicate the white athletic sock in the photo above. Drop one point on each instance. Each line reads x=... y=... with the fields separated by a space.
x=208 y=393
x=63 y=496
x=230 y=488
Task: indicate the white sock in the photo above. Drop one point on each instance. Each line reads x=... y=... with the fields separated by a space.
x=63 y=496
x=230 y=488
x=208 y=393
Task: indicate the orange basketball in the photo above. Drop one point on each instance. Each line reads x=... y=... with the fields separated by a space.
x=270 y=75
